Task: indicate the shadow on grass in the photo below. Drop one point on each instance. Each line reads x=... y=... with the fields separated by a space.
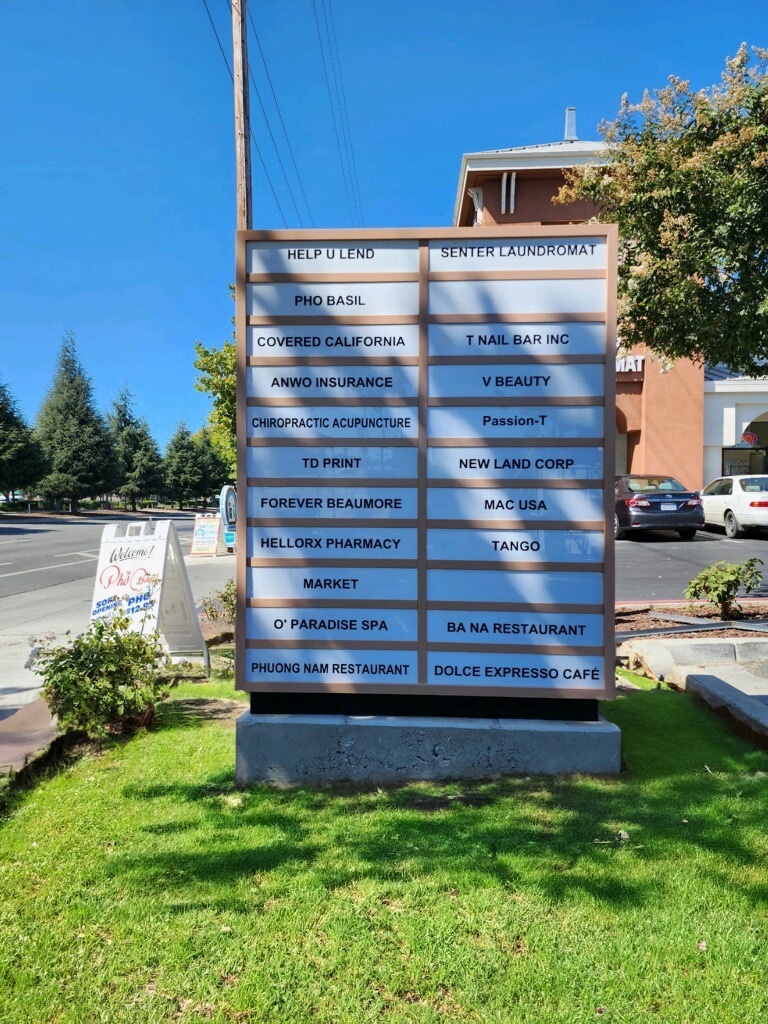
x=691 y=789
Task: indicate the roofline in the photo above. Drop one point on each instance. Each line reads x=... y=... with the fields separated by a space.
x=551 y=156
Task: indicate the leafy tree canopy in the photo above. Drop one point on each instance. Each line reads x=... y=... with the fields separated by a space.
x=73 y=435
x=687 y=183
x=218 y=378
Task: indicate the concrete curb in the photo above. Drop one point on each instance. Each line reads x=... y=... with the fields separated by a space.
x=747 y=713
x=731 y=675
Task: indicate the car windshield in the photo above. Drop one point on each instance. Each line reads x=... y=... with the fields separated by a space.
x=654 y=483
x=754 y=483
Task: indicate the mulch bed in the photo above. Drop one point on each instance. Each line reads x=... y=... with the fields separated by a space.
x=636 y=617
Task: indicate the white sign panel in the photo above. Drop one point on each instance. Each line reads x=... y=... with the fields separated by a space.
x=330 y=665
x=529 y=629
x=329 y=542
x=518 y=254
x=344 y=463
x=492 y=340
x=312 y=383
x=332 y=503
x=337 y=342
x=535 y=421
x=524 y=504
x=515 y=463
x=339 y=625
x=524 y=380
x=577 y=546
x=530 y=671
x=387 y=298
x=313 y=257
x=551 y=297
x=337 y=423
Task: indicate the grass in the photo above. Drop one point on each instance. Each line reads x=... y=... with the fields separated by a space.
x=138 y=884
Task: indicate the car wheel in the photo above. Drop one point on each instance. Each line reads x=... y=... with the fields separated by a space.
x=687 y=534
x=618 y=533
x=732 y=528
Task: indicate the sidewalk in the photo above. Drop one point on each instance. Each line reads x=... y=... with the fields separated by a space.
x=24 y=734
x=28 y=730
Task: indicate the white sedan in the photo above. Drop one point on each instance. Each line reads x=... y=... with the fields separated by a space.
x=737 y=503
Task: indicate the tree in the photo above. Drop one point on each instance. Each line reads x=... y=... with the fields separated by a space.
x=21 y=458
x=218 y=378
x=687 y=183
x=212 y=470
x=140 y=465
x=73 y=435
x=180 y=466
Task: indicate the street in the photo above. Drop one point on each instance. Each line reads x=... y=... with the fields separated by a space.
x=658 y=566
x=47 y=567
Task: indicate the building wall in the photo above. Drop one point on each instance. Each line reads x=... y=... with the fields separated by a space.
x=730 y=407
x=663 y=417
x=534 y=195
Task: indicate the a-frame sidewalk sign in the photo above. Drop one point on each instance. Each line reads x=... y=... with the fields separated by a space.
x=141 y=570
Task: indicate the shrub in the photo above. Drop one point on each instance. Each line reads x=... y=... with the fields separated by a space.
x=106 y=680
x=222 y=603
x=721 y=582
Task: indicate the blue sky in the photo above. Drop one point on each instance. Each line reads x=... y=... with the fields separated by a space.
x=117 y=207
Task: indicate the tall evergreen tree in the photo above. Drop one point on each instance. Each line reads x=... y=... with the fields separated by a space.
x=73 y=435
x=139 y=464
x=21 y=458
x=180 y=466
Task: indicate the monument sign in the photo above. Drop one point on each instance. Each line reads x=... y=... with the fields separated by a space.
x=426 y=425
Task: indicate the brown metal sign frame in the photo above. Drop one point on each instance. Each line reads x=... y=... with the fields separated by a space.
x=422 y=605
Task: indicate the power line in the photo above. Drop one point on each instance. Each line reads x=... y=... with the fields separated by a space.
x=333 y=113
x=221 y=48
x=282 y=122
x=277 y=151
x=341 y=96
x=254 y=143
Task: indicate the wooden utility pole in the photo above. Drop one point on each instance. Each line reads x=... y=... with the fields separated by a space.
x=242 y=115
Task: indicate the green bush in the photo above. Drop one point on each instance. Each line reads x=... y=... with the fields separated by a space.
x=222 y=603
x=107 y=680
x=721 y=582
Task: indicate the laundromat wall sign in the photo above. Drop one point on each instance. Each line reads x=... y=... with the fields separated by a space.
x=426 y=425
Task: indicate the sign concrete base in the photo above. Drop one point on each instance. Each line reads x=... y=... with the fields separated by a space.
x=298 y=750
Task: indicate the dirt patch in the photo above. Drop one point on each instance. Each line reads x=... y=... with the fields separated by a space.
x=636 y=617
x=215 y=709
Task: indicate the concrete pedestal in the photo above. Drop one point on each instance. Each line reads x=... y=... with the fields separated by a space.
x=298 y=750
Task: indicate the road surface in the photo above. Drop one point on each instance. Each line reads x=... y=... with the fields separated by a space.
x=47 y=569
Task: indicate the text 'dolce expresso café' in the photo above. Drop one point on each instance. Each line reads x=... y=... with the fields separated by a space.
x=688 y=421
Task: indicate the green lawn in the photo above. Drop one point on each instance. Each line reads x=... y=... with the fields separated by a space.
x=139 y=885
